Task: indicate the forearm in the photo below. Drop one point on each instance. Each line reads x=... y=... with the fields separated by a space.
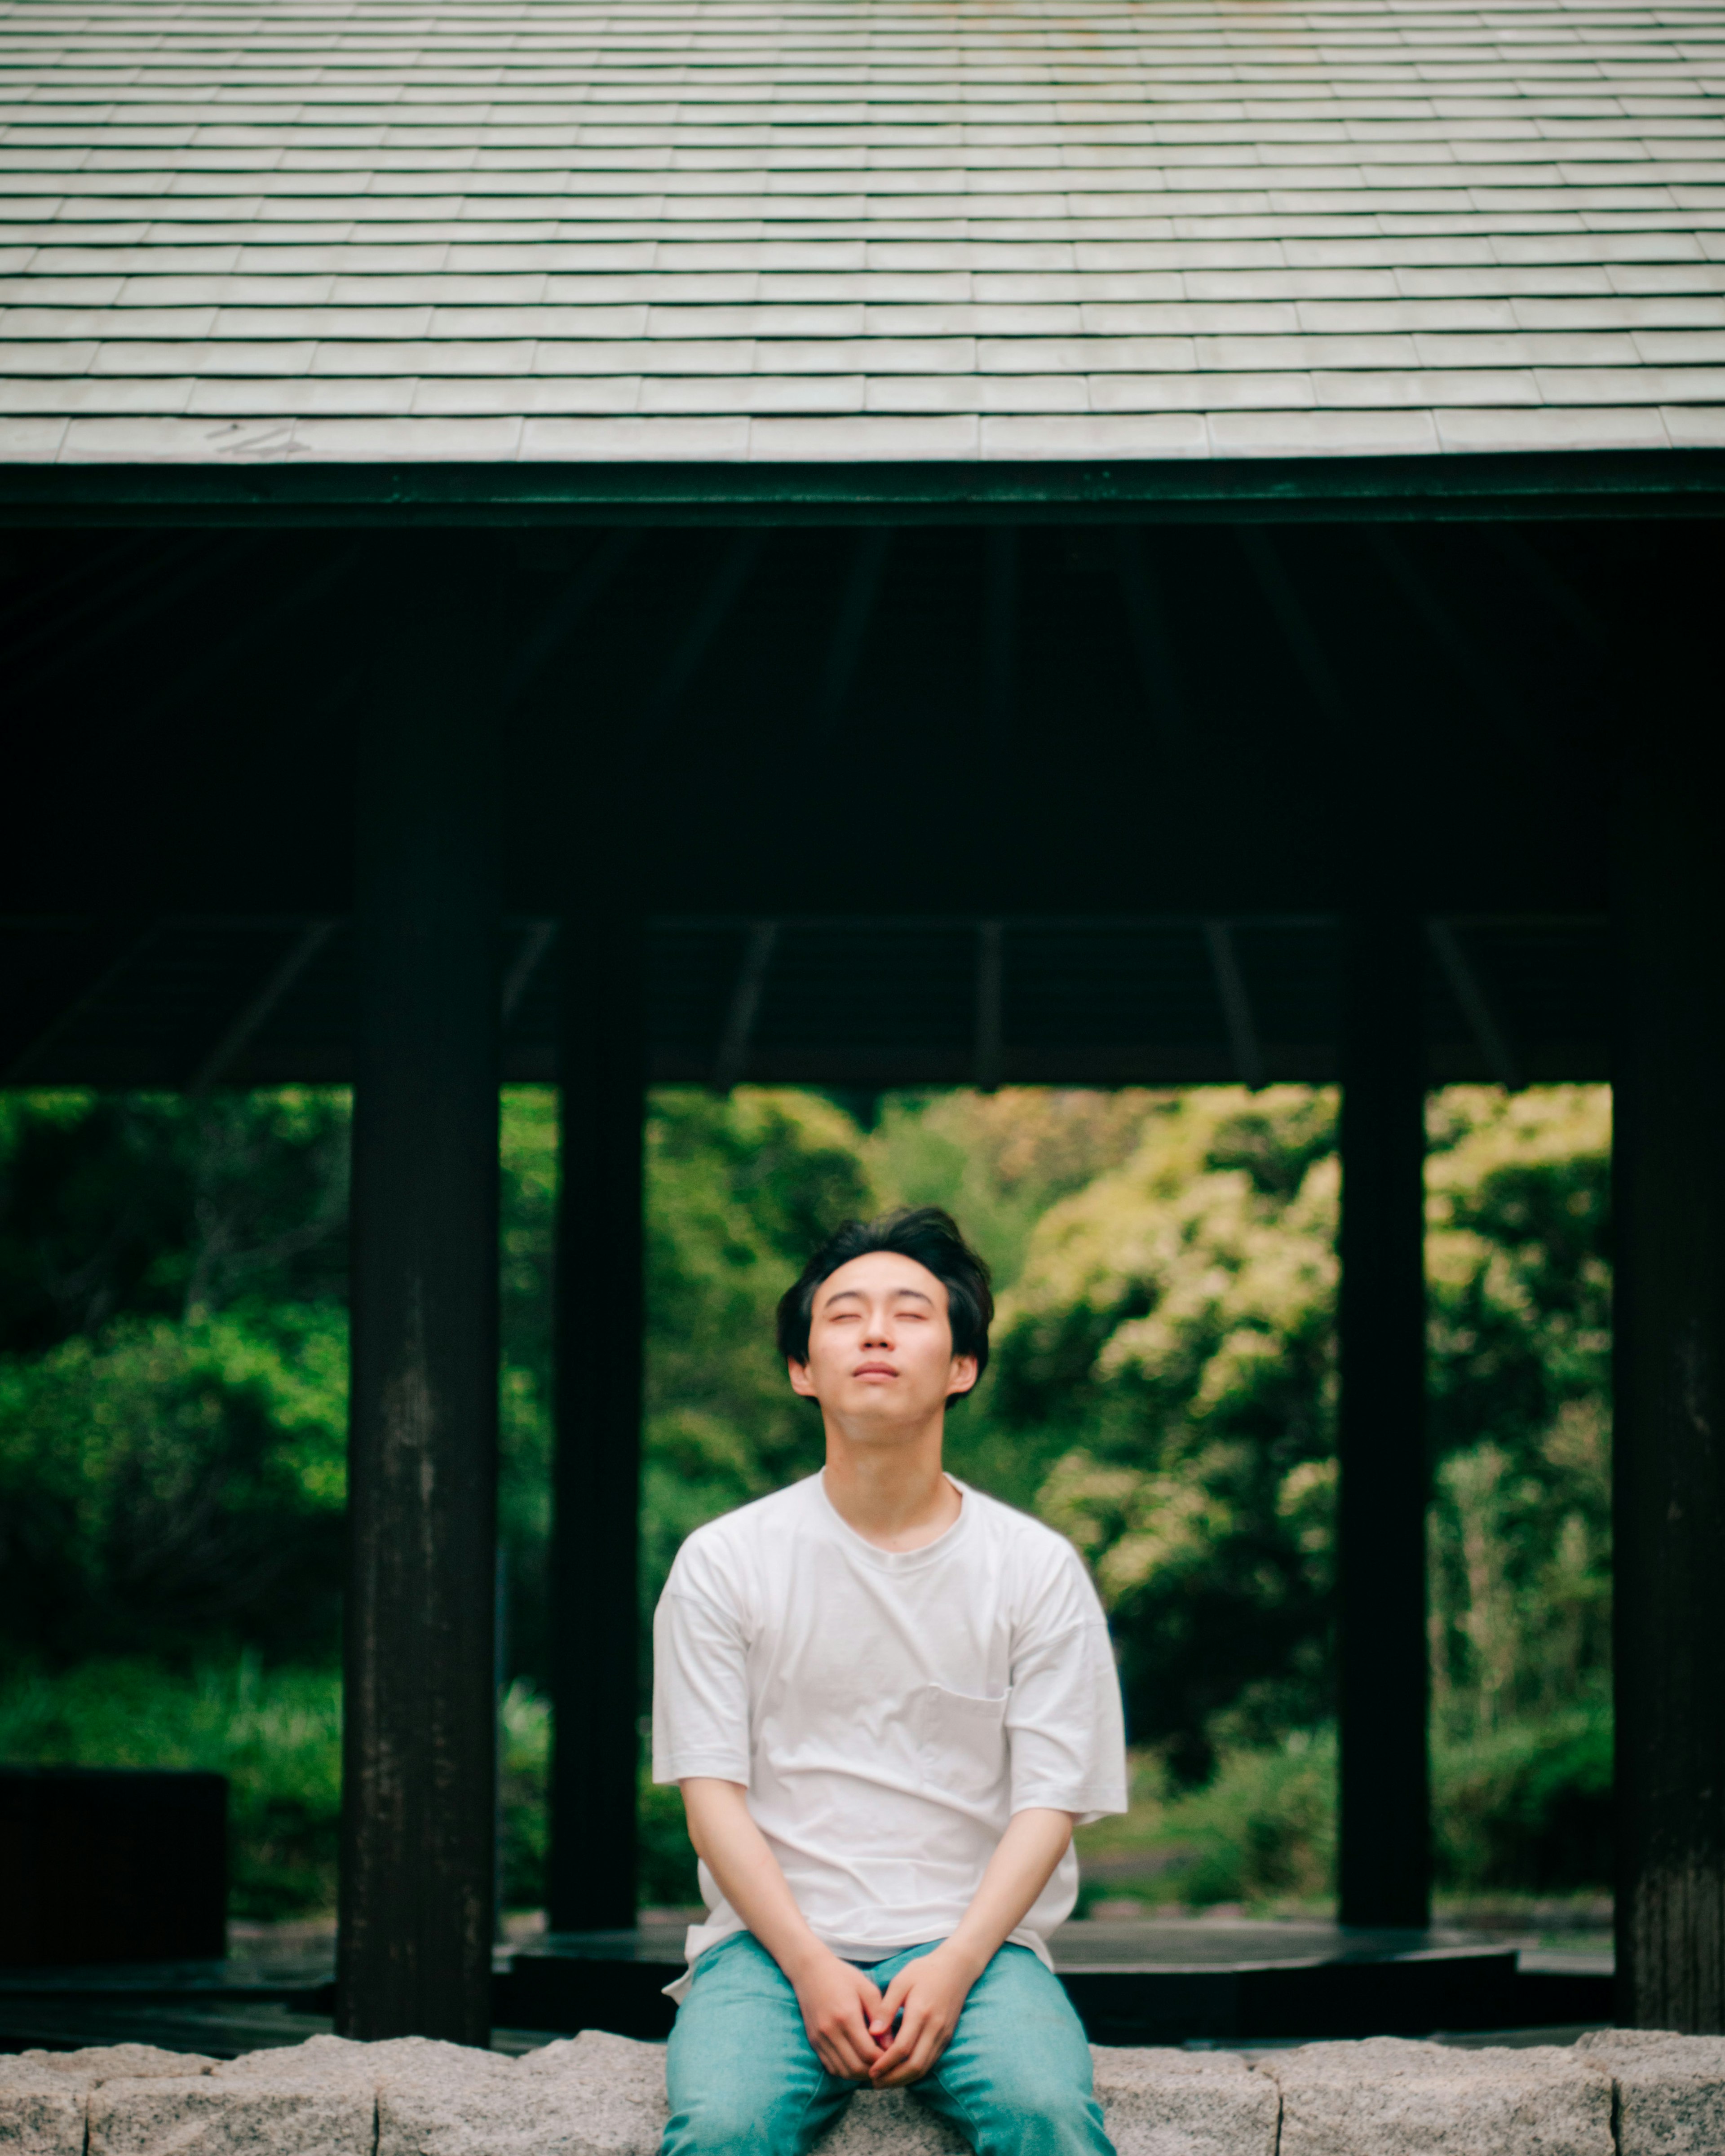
x=735 y=1851
x=836 y=1999
x=1023 y=1863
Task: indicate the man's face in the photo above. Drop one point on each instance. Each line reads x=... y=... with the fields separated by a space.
x=880 y=1343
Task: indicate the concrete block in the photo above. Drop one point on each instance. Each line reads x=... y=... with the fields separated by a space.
x=111 y=2062
x=1670 y=2090
x=614 y=2084
x=891 y=2122
x=1390 y=2096
x=41 y=2112
x=44 y=2095
x=280 y=2103
x=1159 y=2102
x=579 y=2098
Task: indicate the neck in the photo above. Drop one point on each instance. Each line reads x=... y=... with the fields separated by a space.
x=893 y=1492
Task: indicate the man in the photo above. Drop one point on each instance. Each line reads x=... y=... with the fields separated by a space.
x=888 y=1699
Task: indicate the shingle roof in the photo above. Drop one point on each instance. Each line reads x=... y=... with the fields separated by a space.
x=535 y=230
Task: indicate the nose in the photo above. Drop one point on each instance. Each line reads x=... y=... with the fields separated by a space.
x=877 y=1333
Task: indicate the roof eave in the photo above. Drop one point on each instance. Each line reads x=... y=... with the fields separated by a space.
x=1544 y=485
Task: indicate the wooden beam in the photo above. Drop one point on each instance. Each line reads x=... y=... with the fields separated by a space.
x=850 y=629
x=1475 y=1006
x=1243 y=1041
x=990 y=984
x=1152 y=648
x=1385 y=1834
x=1479 y=675
x=251 y=1016
x=597 y=1316
x=732 y=1059
x=419 y=1703
x=537 y=939
x=1295 y=625
x=579 y=596
x=115 y=956
x=1668 y=1439
x=1559 y=593
x=736 y=565
x=1535 y=485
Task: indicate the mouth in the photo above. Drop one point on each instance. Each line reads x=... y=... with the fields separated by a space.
x=873 y=1370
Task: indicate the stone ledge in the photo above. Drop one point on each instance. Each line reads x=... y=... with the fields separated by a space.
x=1617 y=2092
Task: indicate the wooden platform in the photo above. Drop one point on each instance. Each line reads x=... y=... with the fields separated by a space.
x=1174 y=1982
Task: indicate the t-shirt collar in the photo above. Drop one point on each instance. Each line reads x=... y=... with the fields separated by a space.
x=895 y=1560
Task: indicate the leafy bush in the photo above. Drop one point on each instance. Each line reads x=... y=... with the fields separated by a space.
x=276 y=1734
x=1526 y=1808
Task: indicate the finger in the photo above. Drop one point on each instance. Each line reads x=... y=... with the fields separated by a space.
x=902 y=2045
x=919 y=2063
x=931 y=2041
x=897 y=1993
x=844 y=2057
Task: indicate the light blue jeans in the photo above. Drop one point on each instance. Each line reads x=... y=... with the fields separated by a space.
x=744 y=2079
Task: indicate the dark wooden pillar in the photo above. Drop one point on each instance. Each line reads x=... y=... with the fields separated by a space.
x=598 y=1332
x=418 y=1793
x=1385 y=1865
x=1669 y=1174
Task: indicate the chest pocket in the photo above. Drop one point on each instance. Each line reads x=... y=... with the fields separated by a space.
x=963 y=1742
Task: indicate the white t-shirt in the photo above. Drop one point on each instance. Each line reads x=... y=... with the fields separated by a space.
x=887 y=1710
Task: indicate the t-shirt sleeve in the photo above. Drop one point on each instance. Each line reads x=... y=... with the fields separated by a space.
x=1063 y=1718
x=701 y=1705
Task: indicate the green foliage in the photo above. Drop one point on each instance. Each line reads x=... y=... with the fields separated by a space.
x=276 y=1734
x=1168 y=1350
x=164 y=1482
x=1261 y=1831
x=172 y=1371
x=1525 y=1809
x=172 y=1347
x=1517 y=1254
x=1527 y=1805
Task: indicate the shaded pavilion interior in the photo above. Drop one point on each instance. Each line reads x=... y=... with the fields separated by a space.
x=864 y=802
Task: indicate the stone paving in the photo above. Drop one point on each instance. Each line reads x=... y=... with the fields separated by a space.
x=1615 y=2093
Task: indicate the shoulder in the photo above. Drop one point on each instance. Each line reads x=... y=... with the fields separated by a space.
x=725 y=1550
x=1032 y=1549
x=1049 y=1582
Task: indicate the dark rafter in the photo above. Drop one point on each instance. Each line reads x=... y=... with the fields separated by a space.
x=537 y=939
x=1152 y=648
x=1296 y=626
x=1243 y=1041
x=583 y=591
x=990 y=1003
x=709 y=616
x=732 y=1059
x=850 y=630
x=1459 y=644
x=1475 y=1004
x=117 y=954
x=248 y=1021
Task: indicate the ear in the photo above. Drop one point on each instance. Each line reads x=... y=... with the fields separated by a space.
x=801 y=1382
x=963 y=1377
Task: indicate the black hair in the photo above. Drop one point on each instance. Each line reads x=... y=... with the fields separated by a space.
x=925 y=1233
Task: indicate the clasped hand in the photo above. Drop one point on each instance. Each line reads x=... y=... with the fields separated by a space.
x=850 y=2021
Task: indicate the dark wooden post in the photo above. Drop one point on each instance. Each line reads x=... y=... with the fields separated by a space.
x=1669 y=1175
x=596 y=1525
x=419 y=1795
x=1385 y=1864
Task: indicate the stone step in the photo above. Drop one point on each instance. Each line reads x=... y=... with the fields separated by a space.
x=1614 y=2092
